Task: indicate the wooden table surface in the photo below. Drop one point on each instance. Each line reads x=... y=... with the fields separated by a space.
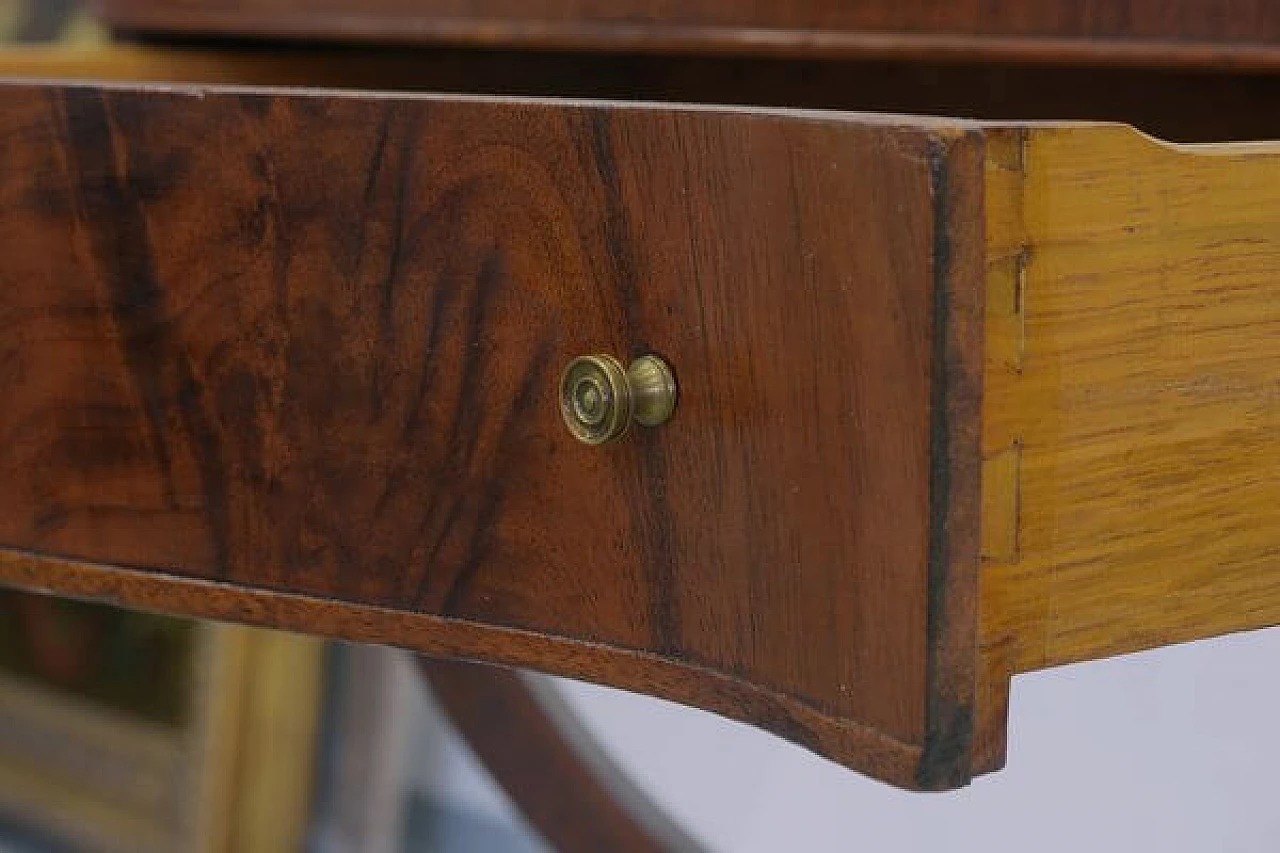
x=1224 y=34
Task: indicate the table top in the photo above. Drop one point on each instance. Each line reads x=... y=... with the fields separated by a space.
x=1237 y=34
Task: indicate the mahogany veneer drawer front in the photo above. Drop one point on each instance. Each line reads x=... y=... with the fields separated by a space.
x=295 y=359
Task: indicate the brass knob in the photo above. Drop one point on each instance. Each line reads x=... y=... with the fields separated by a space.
x=599 y=399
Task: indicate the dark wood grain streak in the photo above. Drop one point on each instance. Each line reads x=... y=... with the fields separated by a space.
x=550 y=766
x=1228 y=34
x=649 y=492
x=956 y=472
x=309 y=345
x=160 y=371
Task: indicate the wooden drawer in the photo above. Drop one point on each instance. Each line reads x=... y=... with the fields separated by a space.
x=952 y=396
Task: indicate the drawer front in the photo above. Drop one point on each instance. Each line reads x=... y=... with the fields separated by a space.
x=308 y=349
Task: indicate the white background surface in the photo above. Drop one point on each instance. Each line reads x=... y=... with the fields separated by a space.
x=1173 y=750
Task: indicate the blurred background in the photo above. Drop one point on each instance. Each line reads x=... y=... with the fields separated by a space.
x=133 y=732
x=123 y=731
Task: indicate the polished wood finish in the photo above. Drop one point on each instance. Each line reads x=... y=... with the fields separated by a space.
x=1229 y=34
x=558 y=777
x=1131 y=427
x=309 y=346
x=292 y=360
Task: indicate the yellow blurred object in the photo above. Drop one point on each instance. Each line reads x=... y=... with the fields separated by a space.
x=233 y=773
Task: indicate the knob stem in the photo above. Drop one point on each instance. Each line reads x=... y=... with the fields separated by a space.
x=653 y=391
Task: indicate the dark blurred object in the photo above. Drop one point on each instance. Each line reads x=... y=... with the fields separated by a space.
x=527 y=738
x=133 y=663
x=40 y=21
x=1226 y=34
x=45 y=20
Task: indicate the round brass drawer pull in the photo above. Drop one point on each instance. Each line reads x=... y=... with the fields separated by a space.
x=599 y=399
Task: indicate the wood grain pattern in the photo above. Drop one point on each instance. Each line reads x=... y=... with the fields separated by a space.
x=1205 y=33
x=291 y=360
x=1132 y=396
x=308 y=346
